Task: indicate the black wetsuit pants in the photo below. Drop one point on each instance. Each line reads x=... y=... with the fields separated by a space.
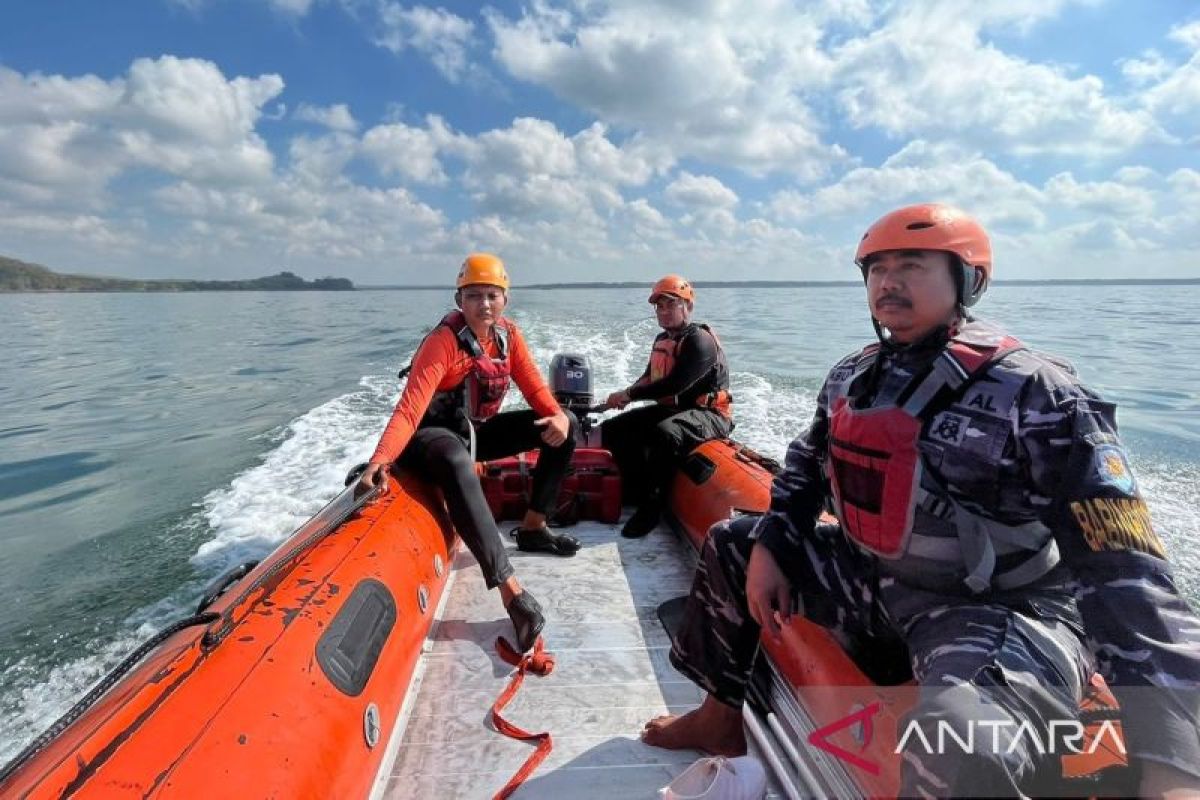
x=442 y=456
x=647 y=443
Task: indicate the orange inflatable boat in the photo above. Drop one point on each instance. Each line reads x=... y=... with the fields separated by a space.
x=290 y=679
x=284 y=685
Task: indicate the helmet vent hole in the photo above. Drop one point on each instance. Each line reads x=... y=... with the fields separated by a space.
x=917 y=226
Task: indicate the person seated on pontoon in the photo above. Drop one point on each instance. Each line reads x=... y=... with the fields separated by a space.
x=447 y=419
x=989 y=522
x=688 y=379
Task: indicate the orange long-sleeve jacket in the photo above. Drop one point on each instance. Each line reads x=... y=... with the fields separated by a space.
x=441 y=365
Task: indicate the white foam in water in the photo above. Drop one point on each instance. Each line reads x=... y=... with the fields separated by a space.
x=31 y=705
x=248 y=519
x=768 y=417
x=1170 y=490
x=263 y=505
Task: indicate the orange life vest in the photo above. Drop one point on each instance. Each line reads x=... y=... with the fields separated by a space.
x=713 y=390
x=480 y=394
x=875 y=465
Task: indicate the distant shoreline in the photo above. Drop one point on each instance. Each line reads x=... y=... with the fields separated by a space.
x=815 y=284
x=20 y=277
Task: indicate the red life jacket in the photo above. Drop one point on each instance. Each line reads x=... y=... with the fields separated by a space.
x=874 y=465
x=714 y=394
x=482 y=391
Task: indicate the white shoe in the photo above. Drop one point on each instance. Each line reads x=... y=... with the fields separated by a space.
x=719 y=778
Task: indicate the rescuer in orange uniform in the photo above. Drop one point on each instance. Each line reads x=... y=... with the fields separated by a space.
x=448 y=418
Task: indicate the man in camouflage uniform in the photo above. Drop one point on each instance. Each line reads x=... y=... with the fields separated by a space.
x=989 y=522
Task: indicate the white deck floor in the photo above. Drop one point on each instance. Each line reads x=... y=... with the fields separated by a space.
x=612 y=675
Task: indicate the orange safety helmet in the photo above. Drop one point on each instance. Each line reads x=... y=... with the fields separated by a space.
x=482 y=268
x=675 y=285
x=935 y=226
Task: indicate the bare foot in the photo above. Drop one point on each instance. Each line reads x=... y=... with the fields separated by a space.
x=714 y=728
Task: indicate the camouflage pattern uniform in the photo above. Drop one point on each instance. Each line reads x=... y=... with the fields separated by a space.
x=1025 y=445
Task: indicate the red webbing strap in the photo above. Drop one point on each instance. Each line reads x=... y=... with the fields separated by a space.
x=539 y=662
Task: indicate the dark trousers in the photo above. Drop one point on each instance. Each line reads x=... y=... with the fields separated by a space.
x=977 y=663
x=441 y=455
x=648 y=442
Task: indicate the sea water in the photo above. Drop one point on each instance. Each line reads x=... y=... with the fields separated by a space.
x=148 y=442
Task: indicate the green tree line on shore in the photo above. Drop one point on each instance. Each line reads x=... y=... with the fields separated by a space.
x=20 y=276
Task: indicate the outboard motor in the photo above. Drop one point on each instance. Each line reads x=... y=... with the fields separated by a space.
x=571 y=384
x=591 y=488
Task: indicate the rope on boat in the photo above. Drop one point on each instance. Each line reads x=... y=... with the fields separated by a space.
x=103 y=686
x=539 y=662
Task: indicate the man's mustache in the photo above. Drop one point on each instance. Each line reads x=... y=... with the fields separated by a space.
x=894 y=298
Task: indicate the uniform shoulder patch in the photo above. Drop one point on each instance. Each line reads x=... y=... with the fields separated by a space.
x=1112 y=468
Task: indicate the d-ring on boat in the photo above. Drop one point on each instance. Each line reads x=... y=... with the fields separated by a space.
x=357 y=661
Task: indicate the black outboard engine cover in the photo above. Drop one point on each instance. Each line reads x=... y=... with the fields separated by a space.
x=571 y=382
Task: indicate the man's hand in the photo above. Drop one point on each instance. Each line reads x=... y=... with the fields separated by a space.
x=768 y=593
x=617 y=399
x=374 y=474
x=555 y=429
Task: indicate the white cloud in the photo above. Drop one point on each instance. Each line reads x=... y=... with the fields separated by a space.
x=439 y=35
x=1109 y=198
x=721 y=81
x=1151 y=67
x=632 y=164
x=700 y=191
x=1187 y=34
x=64 y=139
x=920 y=172
x=321 y=159
x=927 y=71
x=404 y=151
x=296 y=8
x=1176 y=98
x=336 y=117
x=1105 y=236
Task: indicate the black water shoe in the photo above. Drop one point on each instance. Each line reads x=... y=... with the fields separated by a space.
x=544 y=540
x=527 y=620
x=644 y=520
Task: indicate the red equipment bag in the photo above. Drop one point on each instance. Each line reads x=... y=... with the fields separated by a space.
x=591 y=488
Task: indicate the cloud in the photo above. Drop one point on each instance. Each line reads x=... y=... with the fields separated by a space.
x=403 y=151
x=700 y=191
x=322 y=159
x=1176 y=97
x=927 y=71
x=437 y=34
x=1187 y=34
x=336 y=117
x=719 y=81
x=297 y=8
x=1110 y=198
x=1150 y=68
x=64 y=139
x=919 y=172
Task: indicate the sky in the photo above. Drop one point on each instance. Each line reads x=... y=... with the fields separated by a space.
x=594 y=140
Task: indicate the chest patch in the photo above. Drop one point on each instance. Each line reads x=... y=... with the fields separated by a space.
x=949 y=428
x=989 y=397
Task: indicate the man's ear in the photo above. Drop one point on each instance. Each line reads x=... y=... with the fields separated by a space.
x=458 y=298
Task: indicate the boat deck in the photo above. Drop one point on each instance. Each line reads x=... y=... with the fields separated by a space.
x=612 y=675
